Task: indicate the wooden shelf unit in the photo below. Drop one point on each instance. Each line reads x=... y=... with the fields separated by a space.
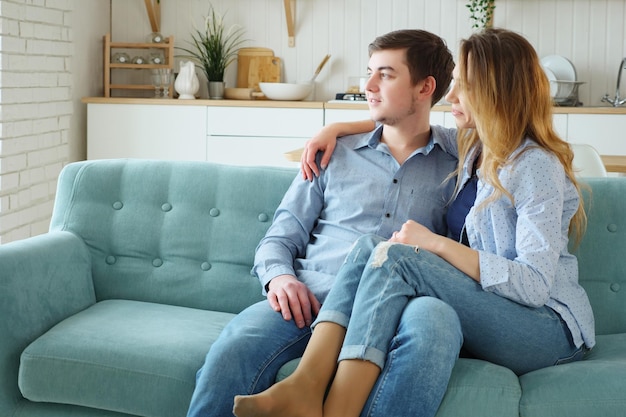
x=168 y=52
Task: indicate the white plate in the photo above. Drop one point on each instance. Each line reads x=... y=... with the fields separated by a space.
x=554 y=88
x=562 y=68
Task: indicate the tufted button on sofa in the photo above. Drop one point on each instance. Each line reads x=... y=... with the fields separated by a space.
x=111 y=313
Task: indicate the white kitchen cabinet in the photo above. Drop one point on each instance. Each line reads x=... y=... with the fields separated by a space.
x=346 y=115
x=241 y=150
x=146 y=131
x=259 y=135
x=261 y=132
x=264 y=121
x=605 y=132
x=356 y=114
x=559 y=122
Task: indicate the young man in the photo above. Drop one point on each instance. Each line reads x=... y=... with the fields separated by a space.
x=373 y=184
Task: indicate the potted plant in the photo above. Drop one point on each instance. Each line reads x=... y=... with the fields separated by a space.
x=214 y=48
x=481 y=13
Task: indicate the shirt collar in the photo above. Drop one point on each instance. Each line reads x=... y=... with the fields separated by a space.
x=372 y=140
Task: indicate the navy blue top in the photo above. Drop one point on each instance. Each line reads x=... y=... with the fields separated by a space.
x=457 y=212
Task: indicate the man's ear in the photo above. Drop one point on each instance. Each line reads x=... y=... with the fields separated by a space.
x=429 y=85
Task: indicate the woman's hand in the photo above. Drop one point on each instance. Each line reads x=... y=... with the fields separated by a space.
x=457 y=254
x=325 y=141
x=413 y=233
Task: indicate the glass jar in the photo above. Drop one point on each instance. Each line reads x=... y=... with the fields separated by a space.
x=155 y=37
x=120 y=58
x=156 y=58
x=139 y=60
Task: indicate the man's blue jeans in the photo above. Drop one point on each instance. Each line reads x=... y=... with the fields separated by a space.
x=254 y=345
x=379 y=278
x=245 y=359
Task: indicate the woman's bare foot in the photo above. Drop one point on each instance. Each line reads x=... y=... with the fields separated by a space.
x=287 y=398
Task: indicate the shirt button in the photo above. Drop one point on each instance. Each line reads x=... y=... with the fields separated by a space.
x=387 y=215
x=395 y=180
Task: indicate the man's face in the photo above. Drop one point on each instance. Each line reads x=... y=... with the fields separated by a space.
x=390 y=95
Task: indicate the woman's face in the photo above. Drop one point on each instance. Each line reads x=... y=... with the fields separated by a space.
x=459 y=101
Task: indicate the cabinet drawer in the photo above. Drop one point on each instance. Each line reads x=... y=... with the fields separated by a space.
x=605 y=132
x=259 y=121
x=237 y=150
x=346 y=115
x=146 y=131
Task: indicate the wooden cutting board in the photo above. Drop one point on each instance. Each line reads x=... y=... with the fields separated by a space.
x=244 y=56
x=264 y=69
x=255 y=65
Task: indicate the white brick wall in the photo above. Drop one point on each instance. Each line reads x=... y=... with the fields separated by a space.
x=35 y=111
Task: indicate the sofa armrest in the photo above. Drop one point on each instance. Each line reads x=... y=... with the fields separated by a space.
x=43 y=280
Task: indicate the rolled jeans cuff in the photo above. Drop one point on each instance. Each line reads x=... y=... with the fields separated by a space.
x=332 y=316
x=364 y=353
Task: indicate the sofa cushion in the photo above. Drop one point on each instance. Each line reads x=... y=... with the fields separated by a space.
x=172 y=232
x=600 y=255
x=476 y=388
x=595 y=386
x=127 y=356
x=481 y=388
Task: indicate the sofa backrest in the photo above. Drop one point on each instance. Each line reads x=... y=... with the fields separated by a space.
x=184 y=233
x=602 y=253
x=181 y=233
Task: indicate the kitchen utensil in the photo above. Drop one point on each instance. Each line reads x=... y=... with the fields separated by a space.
x=264 y=69
x=242 y=94
x=319 y=67
x=567 y=92
x=244 y=56
x=286 y=91
x=255 y=65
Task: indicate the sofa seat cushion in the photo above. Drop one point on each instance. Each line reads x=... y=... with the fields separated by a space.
x=126 y=356
x=481 y=388
x=595 y=386
x=476 y=388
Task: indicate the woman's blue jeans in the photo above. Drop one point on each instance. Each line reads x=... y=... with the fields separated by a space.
x=379 y=278
x=249 y=352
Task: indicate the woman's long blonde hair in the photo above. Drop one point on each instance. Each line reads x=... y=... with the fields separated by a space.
x=509 y=97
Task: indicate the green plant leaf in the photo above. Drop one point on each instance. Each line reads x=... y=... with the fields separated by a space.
x=214 y=47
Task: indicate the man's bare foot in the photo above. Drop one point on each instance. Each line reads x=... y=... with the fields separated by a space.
x=287 y=398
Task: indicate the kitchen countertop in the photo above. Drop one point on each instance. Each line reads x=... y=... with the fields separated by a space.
x=311 y=104
x=203 y=102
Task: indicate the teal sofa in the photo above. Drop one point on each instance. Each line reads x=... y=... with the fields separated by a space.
x=111 y=313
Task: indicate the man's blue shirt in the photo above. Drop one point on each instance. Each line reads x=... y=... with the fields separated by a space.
x=363 y=190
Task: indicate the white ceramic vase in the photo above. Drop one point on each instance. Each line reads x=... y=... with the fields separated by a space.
x=187 y=83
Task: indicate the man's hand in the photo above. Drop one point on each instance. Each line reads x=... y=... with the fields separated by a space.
x=293 y=299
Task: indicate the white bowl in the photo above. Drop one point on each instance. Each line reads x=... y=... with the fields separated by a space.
x=286 y=91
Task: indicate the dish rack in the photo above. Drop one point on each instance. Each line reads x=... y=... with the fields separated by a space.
x=566 y=93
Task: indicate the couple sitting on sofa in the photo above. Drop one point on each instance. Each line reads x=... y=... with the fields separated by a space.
x=482 y=263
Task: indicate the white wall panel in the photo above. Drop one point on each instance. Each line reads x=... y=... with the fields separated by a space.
x=590 y=33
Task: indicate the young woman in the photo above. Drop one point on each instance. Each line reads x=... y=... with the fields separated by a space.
x=506 y=273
